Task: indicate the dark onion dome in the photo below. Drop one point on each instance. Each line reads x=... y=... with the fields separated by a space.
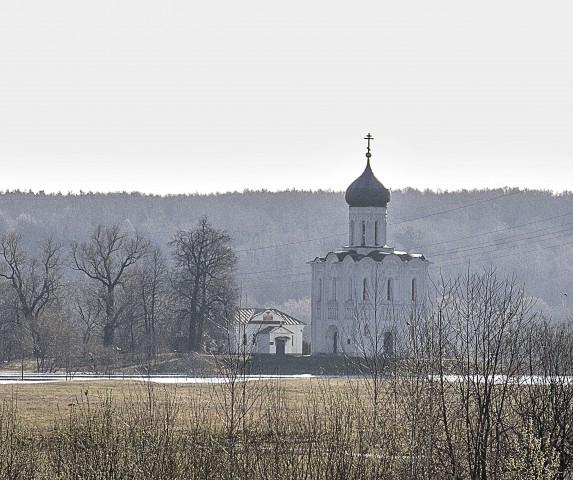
x=367 y=191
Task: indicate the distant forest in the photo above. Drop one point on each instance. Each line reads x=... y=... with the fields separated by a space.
x=526 y=233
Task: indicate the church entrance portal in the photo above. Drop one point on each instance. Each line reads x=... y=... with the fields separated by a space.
x=332 y=339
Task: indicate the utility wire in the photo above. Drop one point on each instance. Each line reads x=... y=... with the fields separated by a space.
x=530 y=251
x=497 y=231
x=506 y=240
x=456 y=208
x=298 y=242
x=525 y=237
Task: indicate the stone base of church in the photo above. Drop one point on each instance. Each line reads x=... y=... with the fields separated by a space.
x=319 y=364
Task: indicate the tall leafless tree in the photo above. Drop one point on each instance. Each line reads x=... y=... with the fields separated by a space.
x=545 y=402
x=35 y=282
x=478 y=327
x=146 y=296
x=107 y=258
x=152 y=290
x=203 y=279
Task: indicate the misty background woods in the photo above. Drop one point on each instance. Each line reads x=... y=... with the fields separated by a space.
x=81 y=273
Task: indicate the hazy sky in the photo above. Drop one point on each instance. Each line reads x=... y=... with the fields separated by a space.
x=188 y=96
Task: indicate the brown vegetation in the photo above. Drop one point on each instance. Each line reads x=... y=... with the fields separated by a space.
x=303 y=428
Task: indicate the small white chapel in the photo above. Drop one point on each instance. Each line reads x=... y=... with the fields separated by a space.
x=367 y=292
x=266 y=330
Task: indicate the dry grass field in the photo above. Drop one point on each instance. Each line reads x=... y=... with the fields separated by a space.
x=307 y=428
x=274 y=428
x=39 y=405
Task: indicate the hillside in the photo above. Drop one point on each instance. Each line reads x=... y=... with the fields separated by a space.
x=523 y=232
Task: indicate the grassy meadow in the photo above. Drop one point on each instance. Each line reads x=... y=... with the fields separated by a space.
x=281 y=428
x=305 y=428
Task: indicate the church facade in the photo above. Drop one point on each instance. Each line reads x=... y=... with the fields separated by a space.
x=365 y=295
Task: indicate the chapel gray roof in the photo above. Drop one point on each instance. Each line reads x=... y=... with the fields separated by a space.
x=367 y=190
x=256 y=316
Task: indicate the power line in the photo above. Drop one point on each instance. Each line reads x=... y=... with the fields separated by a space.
x=503 y=241
x=270 y=271
x=507 y=241
x=446 y=264
x=498 y=230
x=298 y=242
x=529 y=252
x=456 y=208
x=281 y=285
x=554 y=236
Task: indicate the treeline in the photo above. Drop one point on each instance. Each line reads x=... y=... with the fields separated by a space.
x=526 y=232
x=273 y=235
x=83 y=304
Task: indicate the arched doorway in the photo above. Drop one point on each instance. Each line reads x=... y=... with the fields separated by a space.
x=332 y=339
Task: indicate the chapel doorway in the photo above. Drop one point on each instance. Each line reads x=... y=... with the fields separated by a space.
x=280 y=346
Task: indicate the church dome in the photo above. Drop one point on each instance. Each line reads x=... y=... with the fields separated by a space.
x=367 y=190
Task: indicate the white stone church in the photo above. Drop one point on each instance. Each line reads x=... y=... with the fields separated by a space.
x=366 y=293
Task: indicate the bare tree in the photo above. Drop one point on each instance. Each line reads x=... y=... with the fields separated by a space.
x=147 y=304
x=545 y=402
x=203 y=280
x=373 y=336
x=10 y=328
x=86 y=306
x=390 y=350
x=477 y=336
x=107 y=258
x=35 y=282
x=153 y=298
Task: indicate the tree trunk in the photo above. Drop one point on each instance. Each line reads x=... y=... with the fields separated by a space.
x=109 y=327
x=192 y=340
x=108 y=334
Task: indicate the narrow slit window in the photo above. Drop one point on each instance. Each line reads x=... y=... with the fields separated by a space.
x=414 y=289
x=389 y=292
x=363 y=233
x=351 y=232
x=376 y=233
x=365 y=289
